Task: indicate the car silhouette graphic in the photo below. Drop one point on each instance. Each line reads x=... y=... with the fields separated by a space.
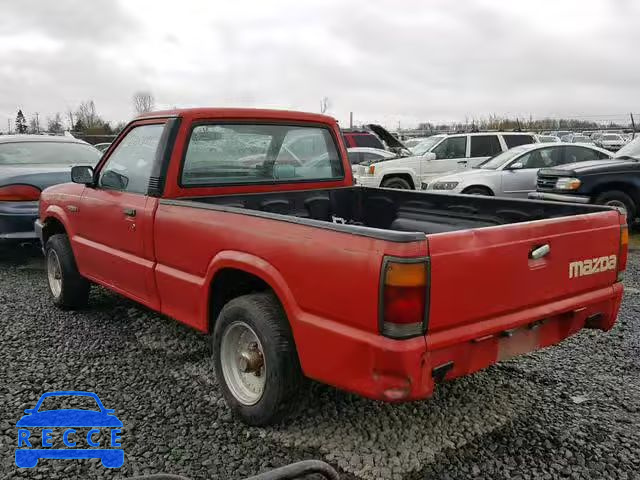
x=67 y=419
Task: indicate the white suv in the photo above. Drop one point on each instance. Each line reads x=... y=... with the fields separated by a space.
x=437 y=155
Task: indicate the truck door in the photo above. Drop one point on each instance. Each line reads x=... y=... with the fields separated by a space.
x=113 y=242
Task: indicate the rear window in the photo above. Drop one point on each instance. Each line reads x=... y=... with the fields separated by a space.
x=485 y=145
x=245 y=154
x=364 y=140
x=516 y=140
x=42 y=153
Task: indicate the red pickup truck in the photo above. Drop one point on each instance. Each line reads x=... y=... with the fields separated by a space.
x=245 y=224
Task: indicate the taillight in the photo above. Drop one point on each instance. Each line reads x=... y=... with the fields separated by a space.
x=624 y=246
x=404 y=297
x=19 y=193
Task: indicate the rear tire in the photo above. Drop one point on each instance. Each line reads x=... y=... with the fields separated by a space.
x=616 y=198
x=68 y=288
x=478 y=191
x=255 y=359
x=396 y=182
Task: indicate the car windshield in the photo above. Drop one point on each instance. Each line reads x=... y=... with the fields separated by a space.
x=610 y=137
x=631 y=149
x=497 y=161
x=42 y=153
x=426 y=145
x=63 y=402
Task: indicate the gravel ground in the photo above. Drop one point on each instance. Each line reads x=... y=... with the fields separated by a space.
x=572 y=411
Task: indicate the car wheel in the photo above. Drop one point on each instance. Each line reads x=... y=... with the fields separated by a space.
x=255 y=359
x=396 y=182
x=616 y=198
x=478 y=191
x=68 y=288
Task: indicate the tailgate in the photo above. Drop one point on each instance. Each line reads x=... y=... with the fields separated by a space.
x=482 y=273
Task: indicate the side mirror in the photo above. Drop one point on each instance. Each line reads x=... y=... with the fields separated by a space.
x=516 y=166
x=429 y=156
x=82 y=174
x=114 y=180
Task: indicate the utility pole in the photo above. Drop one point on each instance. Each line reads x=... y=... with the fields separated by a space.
x=633 y=124
x=8 y=126
x=37 y=123
x=350 y=119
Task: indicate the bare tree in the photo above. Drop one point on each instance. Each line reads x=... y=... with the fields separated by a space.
x=87 y=115
x=34 y=124
x=143 y=102
x=325 y=104
x=54 y=125
x=70 y=118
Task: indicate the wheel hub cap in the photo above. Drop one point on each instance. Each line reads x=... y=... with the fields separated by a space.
x=54 y=273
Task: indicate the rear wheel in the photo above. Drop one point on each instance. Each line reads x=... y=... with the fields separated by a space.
x=255 y=359
x=616 y=198
x=68 y=288
x=396 y=182
x=478 y=191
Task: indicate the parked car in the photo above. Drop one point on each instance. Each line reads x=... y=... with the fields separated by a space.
x=440 y=154
x=297 y=273
x=412 y=142
x=513 y=173
x=577 y=138
x=561 y=133
x=614 y=183
x=28 y=164
x=374 y=136
x=547 y=138
x=610 y=141
x=102 y=146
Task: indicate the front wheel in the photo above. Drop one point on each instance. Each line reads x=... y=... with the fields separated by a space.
x=68 y=288
x=255 y=359
x=616 y=198
x=396 y=182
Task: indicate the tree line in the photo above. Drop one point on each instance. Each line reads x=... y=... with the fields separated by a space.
x=84 y=119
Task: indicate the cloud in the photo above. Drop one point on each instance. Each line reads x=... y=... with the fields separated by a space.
x=388 y=61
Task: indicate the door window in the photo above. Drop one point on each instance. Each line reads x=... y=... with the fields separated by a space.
x=582 y=154
x=541 y=158
x=516 y=140
x=452 y=147
x=485 y=146
x=129 y=167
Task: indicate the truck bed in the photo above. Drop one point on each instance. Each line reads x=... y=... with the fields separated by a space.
x=385 y=212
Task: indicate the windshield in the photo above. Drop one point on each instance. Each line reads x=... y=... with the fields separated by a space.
x=610 y=137
x=42 y=153
x=426 y=145
x=497 y=161
x=631 y=149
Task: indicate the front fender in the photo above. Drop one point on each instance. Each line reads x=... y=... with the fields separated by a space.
x=60 y=214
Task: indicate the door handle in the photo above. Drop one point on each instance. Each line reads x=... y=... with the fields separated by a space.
x=129 y=212
x=539 y=252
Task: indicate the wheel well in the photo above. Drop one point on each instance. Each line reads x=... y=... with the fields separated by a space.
x=479 y=187
x=404 y=176
x=627 y=188
x=52 y=226
x=230 y=283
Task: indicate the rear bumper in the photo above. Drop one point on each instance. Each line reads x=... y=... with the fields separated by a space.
x=404 y=370
x=16 y=220
x=558 y=197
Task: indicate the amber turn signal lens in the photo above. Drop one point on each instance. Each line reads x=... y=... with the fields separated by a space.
x=406 y=274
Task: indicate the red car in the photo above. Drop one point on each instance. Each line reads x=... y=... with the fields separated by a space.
x=296 y=273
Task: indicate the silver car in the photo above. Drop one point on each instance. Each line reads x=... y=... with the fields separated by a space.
x=513 y=173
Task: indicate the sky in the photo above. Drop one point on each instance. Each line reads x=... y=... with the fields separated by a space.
x=393 y=62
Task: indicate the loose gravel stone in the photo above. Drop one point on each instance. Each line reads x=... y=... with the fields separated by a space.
x=519 y=419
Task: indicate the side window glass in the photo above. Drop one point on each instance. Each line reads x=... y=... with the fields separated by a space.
x=485 y=145
x=579 y=154
x=452 y=147
x=128 y=169
x=541 y=158
x=516 y=140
